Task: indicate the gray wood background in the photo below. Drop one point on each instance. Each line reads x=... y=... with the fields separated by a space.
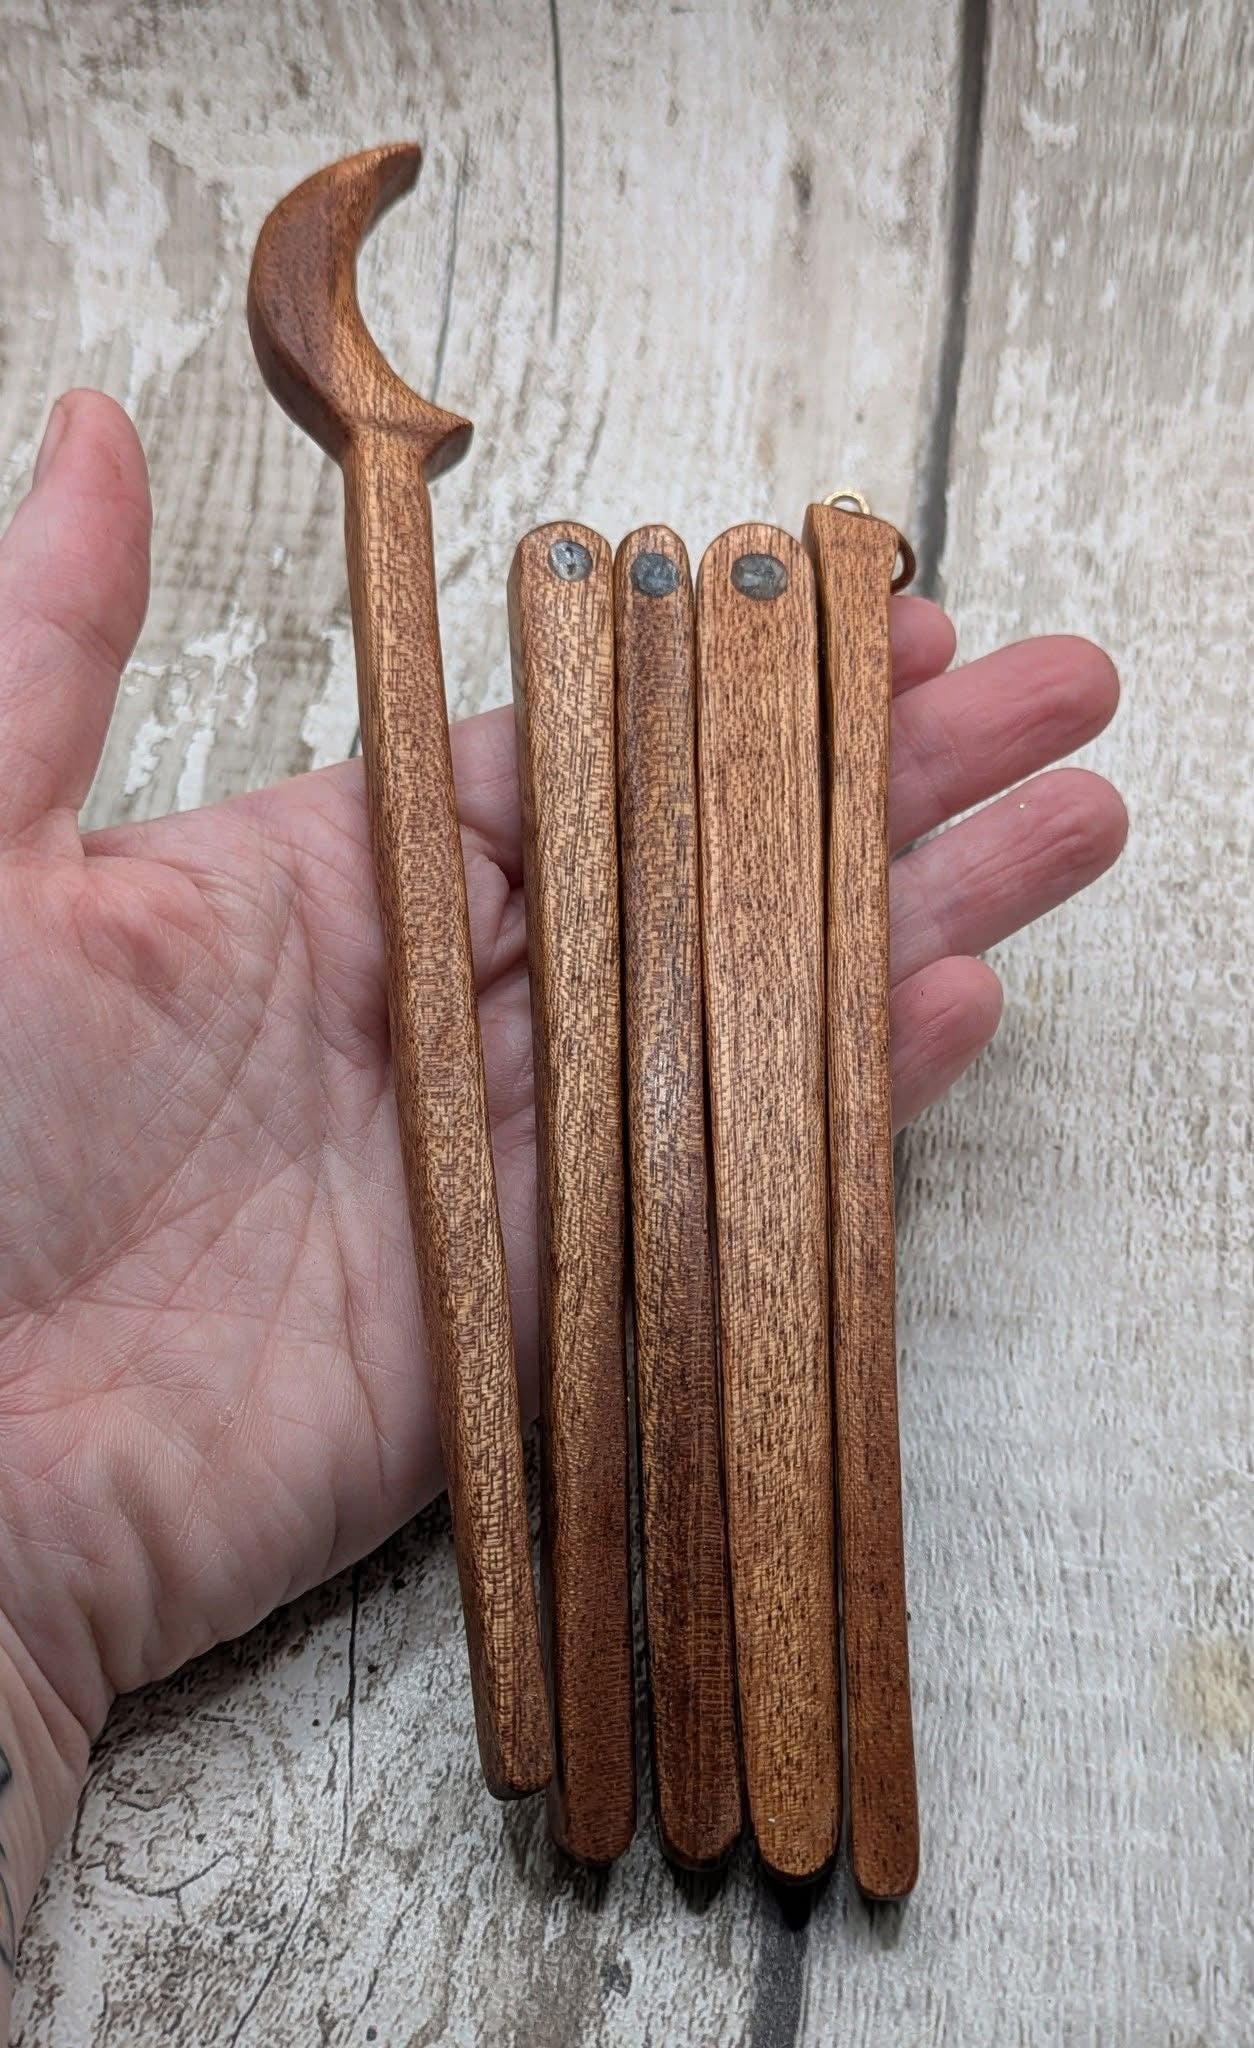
x=700 y=263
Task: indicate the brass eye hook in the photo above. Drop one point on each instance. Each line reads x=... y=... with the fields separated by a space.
x=850 y=501
x=853 y=501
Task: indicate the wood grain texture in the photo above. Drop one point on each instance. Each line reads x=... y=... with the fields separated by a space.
x=323 y=367
x=853 y=559
x=1072 y=1326
x=696 y=1752
x=147 y=151
x=562 y=644
x=762 y=943
x=1071 y=1222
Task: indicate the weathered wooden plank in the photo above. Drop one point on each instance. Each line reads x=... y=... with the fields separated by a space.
x=1074 y=1236
x=753 y=198
x=147 y=149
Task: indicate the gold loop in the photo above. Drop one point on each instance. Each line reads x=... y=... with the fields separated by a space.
x=853 y=501
x=848 y=501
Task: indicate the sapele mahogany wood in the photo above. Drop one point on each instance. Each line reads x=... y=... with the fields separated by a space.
x=853 y=558
x=325 y=370
x=762 y=937
x=562 y=645
x=696 y=1751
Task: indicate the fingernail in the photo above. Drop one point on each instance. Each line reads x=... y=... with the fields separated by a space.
x=53 y=433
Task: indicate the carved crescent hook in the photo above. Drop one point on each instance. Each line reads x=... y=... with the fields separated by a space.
x=316 y=353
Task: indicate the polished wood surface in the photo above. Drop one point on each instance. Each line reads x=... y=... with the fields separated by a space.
x=323 y=367
x=762 y=901
x=687 y=1602
x=562 y=643
x=853 y=558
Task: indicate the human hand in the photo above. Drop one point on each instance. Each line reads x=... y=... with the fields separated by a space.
x=213 y=1388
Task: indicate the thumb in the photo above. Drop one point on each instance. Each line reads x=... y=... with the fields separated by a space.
x=73 y=590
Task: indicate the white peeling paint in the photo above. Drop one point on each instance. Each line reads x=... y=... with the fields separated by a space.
x=330 y=721
x=231 y=649
x=1046 y=136
x=15 y=475
x=181 y=694
x=146 y=753
x=108 y=246
x=1023 y=230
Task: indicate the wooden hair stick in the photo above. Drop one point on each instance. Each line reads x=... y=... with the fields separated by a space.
x=562 y=643
x=321 y=364
x=762 y=902
x=854 y=559
x=696 y=1755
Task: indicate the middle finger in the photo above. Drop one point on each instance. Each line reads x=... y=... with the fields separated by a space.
x=967 y=735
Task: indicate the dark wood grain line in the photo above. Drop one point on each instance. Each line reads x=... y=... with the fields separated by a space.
x=932 y=495
x=559 y=169
x=778 y=1975
x=275 y=1963
x=450 y=270
x=350 y=1698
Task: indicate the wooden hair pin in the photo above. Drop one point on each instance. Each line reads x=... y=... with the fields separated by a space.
x=855 y=557
x=687 y=1607
x=762 y=933
x=562 y=644
x=321 y=364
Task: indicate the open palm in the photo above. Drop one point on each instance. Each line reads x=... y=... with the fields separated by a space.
x=212 y=1380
